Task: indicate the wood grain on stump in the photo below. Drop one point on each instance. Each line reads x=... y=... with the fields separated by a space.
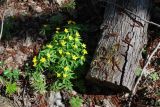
x=123 y=38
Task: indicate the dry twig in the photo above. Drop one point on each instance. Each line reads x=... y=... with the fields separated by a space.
x=144 y=70
x=2 y=19
x=2 y=24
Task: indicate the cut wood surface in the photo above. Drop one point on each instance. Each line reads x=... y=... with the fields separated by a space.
x=123 y=38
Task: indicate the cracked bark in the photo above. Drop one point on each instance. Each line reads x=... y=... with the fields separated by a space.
x=119 y=50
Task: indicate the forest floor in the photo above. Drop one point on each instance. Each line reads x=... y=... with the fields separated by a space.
x=22 y=40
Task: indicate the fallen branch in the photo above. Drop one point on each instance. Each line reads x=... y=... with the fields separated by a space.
x=2 y=24
x=144 y=70
x=2 y=19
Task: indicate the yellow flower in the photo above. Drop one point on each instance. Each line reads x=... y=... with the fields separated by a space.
x=70 y=21
x=34 y=64
x=57 y=28
x=77 y=34
x=43 y=60
x=63 y=42
x=74 y=57
x=84 y=45
x=65 y=75
x=82 y=58
x=58 y=75
x=66 y=68
x=60 y=51
x=84 y=52
x=49 y=46
x=34 y=59
x=70 y=38
x=75 y=46
x=48 y=55
x=76 y=39
x=67 y=53
x=66 y=30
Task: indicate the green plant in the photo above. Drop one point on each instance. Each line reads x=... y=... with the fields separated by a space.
x=11 y=75
x=38 y=82
x=37 y=79
x=69 y=4
x=62 y=56
x=154 y=76
x=76 y=101
x=138 y=71
x=9 y=78
x=11 y=88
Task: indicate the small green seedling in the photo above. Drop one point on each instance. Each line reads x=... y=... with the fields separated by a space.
x=9 y=79
x=154 y=76
x=76 y=101
x=138 y=71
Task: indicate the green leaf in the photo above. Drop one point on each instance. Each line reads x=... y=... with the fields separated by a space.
x=6 y=72
x=76 y=101
x=154 y=76
x=11 y=88
x=38 y=82
x=15 y=74
x=138 y=71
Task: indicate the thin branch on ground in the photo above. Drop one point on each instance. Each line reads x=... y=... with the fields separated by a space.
x=2 y=24
x=2 y=19
x=144 y=70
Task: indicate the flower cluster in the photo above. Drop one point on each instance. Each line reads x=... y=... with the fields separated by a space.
x=62 y=55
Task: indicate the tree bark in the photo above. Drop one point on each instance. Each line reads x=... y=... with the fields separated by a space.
x=123 y=38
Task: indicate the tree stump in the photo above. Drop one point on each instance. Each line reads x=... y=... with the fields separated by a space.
x=123 y=38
